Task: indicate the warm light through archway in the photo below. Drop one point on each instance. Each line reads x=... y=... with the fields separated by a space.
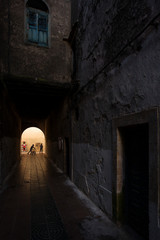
x=31 y=136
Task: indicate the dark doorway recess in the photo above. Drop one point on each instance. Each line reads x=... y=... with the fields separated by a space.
x=135 y=140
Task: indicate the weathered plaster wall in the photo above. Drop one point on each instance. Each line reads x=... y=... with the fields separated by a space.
x=105 y=29
x=117 y=64
x=20 y=58
x=9 y=137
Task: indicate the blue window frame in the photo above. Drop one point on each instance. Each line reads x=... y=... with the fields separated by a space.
x=37 y=27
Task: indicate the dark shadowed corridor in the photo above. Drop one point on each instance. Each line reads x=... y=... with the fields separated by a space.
x=40 y=203
x=29 y=211
x=27 y=208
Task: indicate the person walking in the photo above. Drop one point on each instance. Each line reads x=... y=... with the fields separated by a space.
x=24 y=146
x=41 y=147
x=30 y=151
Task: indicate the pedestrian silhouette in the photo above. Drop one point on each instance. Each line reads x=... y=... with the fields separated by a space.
x=31 y=148
x=41 y=147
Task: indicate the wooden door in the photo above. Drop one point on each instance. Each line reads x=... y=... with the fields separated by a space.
x=136 y=178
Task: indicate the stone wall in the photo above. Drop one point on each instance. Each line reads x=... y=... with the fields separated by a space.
x=20 y=58
x=117 y=52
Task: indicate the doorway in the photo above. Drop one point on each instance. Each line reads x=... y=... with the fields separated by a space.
x=32 y=135
x=135 y=145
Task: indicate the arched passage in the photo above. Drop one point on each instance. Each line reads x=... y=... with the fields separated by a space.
x=32 y=135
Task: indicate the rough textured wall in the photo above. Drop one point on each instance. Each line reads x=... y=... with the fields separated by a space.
x=4 y=36
x=51 y=63
x=10 y=126
x=106 y=28
x=117 y=64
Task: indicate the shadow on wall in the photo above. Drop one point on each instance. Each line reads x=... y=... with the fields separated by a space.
x=31 y=136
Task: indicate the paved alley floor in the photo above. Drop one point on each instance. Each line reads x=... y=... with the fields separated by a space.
x=41 y=203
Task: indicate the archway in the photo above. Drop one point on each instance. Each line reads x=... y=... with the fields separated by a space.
x=32 y=135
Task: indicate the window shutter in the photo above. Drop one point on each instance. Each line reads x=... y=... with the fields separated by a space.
x=32 y=26
x=43 y=28
x=37 y=27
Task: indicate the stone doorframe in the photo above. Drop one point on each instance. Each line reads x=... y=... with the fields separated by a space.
x=151 y=117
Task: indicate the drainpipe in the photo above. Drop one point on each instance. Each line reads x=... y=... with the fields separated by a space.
x=1 y=130
x=9 y=37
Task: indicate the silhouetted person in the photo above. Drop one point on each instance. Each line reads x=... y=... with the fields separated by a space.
x=33 y=151
x=31 y=148
x=41 y=147
x=24 y=146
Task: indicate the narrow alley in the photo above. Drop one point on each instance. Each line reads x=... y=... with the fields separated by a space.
x=41 y=203
x=85 y=76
